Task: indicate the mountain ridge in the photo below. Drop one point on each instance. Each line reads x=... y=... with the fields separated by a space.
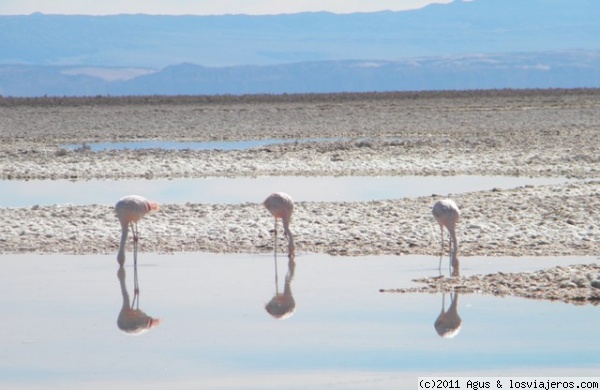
x=560 y=69
x=479 y=26
x=460 y=45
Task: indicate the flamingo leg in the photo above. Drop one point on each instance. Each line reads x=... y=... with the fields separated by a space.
x=442 y=250
x=136 y=287
x=135 y=252
x=276 y=274
x=275 y=244
x=450 y=251
x=134 y=231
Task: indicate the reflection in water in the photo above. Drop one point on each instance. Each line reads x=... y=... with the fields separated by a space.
x=448 y=323
x=282 y=305
x=131 y=319
x=347 y=332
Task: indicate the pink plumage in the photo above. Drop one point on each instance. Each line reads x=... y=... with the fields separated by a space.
x=446 y=213
x=281 y=206
x=130 y=210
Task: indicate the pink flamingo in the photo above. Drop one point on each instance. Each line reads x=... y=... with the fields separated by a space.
x=281 y=205
x=129 y=210
x=446 y=213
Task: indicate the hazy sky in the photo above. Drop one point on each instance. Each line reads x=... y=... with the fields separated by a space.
x=204 y=7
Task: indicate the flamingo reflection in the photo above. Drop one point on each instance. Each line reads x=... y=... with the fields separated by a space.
x=448 y=323
x=131 y=319
x=282 y=305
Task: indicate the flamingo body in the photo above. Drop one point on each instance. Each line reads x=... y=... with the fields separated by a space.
x=446 y=213
x=281 y=206
x=130 y=210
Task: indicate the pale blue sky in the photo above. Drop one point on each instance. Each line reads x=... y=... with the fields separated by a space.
x=204 y=7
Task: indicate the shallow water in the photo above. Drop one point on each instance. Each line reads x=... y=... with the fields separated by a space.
x=60 y=330
x=239 y=190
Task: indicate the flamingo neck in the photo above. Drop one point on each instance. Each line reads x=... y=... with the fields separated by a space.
x=124 y=233
x=124 y=293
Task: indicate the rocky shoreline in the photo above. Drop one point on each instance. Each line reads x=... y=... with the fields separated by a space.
x=549 y=220
x=550 y=133
x=577 y=284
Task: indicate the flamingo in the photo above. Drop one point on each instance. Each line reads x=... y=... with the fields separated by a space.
x=129 y=210
x=281 y=205
x=446 y=213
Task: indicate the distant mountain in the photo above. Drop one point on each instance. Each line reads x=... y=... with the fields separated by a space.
x=461 y=45
x=563 y=69
x=458 y=28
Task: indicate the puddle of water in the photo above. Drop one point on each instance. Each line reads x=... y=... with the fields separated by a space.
x=239 y=190
x=191 y=145
x=60 y=327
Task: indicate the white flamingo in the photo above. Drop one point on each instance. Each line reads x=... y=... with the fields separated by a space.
x=446 y=213
x=130 y=210
x=281 y=205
